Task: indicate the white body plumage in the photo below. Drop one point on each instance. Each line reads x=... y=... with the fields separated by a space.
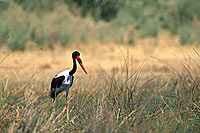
x=67 y=76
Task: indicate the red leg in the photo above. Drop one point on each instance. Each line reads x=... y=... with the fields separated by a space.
x=53 y=102
x=66 y=106
x=53 y=105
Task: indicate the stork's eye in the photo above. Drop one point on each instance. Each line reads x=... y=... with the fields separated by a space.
x=78 y=57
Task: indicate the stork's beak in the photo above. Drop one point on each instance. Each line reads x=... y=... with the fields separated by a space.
x=81 y=64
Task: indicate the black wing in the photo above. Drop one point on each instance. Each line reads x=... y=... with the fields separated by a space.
x=57 y=82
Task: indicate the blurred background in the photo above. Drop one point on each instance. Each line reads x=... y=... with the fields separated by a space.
x=46 y=32
x=68 y=22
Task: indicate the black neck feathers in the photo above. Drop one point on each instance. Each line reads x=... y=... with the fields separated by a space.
x=74 y=67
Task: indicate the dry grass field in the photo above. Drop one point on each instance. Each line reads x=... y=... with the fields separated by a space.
x=146 y=87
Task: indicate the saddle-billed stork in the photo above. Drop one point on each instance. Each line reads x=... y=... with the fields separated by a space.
x=64 y=80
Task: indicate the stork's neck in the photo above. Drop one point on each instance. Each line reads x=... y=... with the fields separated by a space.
x=74 y=67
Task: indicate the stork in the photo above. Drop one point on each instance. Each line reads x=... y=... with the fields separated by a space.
x=64 y=80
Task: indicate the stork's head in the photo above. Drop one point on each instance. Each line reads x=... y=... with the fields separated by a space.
x=76 y=55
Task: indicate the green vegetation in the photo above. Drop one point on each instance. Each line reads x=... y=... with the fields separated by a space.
x=49 y=22
x=105 y=103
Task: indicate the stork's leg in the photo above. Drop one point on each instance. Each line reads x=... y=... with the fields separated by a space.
x=67 y=107
x=53 y=105
x=67 y=91
x=56 y=92
x=53 y=96
x=53 y=101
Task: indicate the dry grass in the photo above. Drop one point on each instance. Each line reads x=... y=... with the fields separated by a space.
x=134 y=88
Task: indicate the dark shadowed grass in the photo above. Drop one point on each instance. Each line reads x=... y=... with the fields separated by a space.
x=118 y=102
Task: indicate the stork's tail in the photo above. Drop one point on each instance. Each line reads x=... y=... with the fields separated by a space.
x=52 y=93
